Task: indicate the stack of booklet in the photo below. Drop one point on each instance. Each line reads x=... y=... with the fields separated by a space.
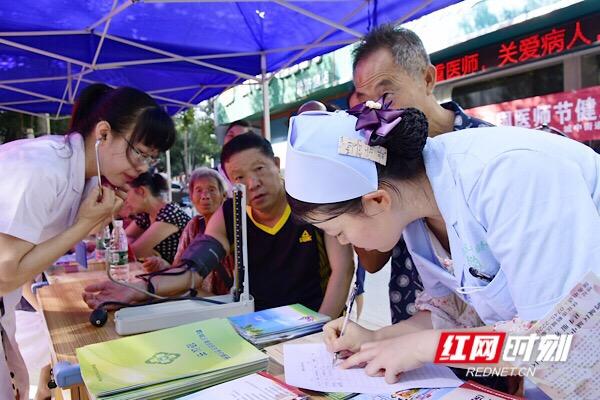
x=168 y=363
x=266 y=327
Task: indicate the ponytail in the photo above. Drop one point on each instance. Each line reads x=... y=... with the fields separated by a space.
x=156 y=183
x=84 y=106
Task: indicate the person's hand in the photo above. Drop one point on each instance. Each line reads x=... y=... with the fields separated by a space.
x=98 y=293
x=154 y=263
x=96 y=209
x=391 y=357
x=354 y=336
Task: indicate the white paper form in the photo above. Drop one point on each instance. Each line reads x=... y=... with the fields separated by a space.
x=309 y=366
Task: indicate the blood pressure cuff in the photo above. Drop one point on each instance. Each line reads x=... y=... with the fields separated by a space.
x=204 y=254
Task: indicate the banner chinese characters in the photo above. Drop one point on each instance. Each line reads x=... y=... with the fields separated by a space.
x=552 y=41
x=575 y=113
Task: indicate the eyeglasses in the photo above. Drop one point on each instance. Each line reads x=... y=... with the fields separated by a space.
x=139 y=156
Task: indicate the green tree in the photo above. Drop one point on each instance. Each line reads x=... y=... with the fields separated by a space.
x=14 y=125
x=11 y=126
x=195 y=126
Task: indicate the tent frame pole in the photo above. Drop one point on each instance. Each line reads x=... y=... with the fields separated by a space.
x=27 y=92
x=18 y=102
x=118 y=64
x=316 y=17
x=322 y=37
x=180 y=58
x=265 y=93
x=114 y=11
x=43 y=52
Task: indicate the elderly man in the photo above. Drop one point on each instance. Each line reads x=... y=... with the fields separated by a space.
x=394 y=61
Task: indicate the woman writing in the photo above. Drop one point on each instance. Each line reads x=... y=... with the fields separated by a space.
x=482 y=212
x=44 y=211
x=158 y=224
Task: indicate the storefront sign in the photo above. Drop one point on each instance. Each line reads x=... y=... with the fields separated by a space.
x=575 y=113
x=549 y=42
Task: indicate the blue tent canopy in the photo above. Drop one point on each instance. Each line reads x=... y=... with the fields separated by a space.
x=181 y=52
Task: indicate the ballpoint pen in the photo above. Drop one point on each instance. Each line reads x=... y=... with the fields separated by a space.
x=349 y=304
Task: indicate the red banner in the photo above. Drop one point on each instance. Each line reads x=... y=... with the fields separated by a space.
x=575 y=113
x=552 y=41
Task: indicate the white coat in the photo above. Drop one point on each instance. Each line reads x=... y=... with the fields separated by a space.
x=520 y=206
x=42 y=182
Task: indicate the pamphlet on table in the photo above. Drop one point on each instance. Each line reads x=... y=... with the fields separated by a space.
x=168 y=362
x=270 y=326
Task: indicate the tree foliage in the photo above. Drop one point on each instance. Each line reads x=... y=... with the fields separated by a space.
x=14 y=125
x=199 y=127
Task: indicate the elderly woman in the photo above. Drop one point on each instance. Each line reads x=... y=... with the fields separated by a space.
x=207 y=191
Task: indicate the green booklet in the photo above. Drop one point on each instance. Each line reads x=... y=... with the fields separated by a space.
x=177 y=359
x=276 y=324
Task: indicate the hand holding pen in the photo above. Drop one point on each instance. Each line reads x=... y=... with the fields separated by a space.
x=346 y=340
x=348 y=310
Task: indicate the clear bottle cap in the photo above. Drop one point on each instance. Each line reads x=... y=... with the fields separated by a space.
x=118 y=223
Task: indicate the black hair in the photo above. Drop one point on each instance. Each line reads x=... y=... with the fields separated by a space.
x=404 y=145
x=239 y=122
x=155 y=182
x=405 y=46
x=331 y=107
x=84 y=105
x=123 y=108
x=246 y=141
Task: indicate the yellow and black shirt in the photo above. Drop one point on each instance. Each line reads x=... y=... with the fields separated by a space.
x=286 y=262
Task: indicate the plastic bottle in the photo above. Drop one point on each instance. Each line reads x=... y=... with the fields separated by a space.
x=118 y=260
x=102 y=243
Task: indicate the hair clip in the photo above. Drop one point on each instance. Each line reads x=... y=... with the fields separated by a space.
x=376 y=119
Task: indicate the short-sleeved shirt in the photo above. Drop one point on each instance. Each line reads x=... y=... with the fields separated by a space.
x=286 y=262
x=42 y=181
x=172 y=214
x=520 y=206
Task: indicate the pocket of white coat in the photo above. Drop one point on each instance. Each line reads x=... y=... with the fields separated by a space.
x=492 y=299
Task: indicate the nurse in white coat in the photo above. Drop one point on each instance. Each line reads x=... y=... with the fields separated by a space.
x=43 y=209
x=505 y=218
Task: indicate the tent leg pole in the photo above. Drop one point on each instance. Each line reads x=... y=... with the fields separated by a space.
x=47 y=121
x=266 y=103
x=169 y=179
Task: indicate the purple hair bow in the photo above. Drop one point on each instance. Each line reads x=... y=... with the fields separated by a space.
x=376 y=117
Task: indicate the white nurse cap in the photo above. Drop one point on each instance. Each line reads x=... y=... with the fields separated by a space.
x=316 y=171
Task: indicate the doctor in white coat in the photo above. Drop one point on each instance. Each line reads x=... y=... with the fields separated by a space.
x=505 y=218
x=43 y=209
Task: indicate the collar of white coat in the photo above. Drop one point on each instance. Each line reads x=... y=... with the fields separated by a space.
x=77 y=164
x=441 y=178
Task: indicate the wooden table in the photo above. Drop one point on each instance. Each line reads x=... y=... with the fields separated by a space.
x=67 y=318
